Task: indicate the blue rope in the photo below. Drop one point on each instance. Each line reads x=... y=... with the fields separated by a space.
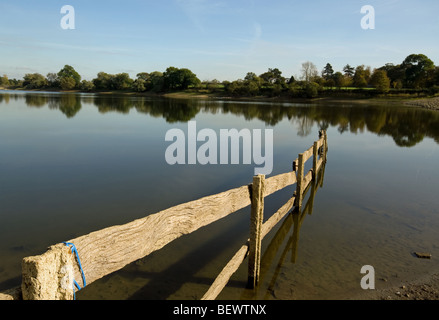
x=75 y=251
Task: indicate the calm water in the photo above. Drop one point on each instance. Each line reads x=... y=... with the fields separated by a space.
x=73 y=164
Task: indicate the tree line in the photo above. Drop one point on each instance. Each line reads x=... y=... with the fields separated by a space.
x=68 y=78
x=416 y=72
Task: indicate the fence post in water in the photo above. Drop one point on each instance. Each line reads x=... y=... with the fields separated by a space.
x=324 y=146
x=314 y=160
x=256 y=220
x=299 y=187
x=49 y=276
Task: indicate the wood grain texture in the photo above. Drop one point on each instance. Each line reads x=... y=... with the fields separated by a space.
x=256 y=220
x=108 y=250
x=279 y=182
x=43 y=276
x=308 y=154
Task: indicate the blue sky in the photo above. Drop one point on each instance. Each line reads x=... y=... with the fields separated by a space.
x=216 y=39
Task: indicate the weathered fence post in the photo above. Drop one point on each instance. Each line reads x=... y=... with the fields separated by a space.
x=315 y=159
x=48 y=276
x=256 y=220
x=300 y=172
x=324 y=148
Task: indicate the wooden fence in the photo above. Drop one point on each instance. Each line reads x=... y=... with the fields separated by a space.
x=49 y=276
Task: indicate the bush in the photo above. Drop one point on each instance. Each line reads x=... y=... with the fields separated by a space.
x=87 y=85
x=312 y=90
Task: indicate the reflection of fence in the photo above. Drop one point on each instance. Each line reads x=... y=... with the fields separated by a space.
x=50 y=275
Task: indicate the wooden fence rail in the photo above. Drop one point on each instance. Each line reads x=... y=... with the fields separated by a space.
x=48 y=276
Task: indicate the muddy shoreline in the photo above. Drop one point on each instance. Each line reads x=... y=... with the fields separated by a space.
x=432 y=104
x=423 y=288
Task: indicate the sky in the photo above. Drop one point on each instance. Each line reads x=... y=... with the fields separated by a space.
x=216 y=39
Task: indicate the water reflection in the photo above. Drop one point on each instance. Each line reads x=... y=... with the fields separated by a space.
x=270 y=268
x=69 y=104
x=407 y=126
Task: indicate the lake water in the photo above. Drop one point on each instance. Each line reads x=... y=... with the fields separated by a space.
x=71 y=164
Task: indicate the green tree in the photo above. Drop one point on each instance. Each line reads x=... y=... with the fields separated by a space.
x=361 y=76
x=251 y=76
x=4 y=81
x=380 y=80
x=103 y=81
x=349 y=71
x=189 y=78
x=34 y=81
x=70 y=72
x=181 y=79
x=87 y=85
x=172 y=78
x=144 y=76
x=311 y=90
x=254 y=83
x=417 y=67
x=121 y=81
x=291 y=80
x=67 y=83
x=328 y=72
x=396 y=74
x=339 y=79
x=272 y=76
x=156 y=82
x=139 y=85
x=52 y=79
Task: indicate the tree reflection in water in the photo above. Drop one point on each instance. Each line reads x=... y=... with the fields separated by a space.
x=408 y=126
